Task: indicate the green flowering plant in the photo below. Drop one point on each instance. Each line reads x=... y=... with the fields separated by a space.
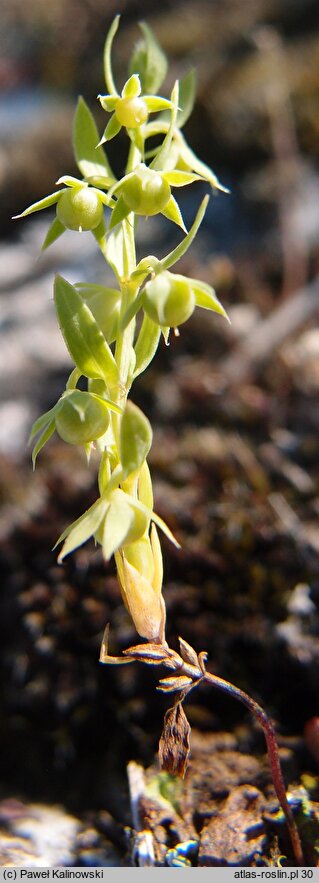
x=112 y=335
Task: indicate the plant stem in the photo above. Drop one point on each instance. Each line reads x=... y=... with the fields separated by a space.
x=273 y=755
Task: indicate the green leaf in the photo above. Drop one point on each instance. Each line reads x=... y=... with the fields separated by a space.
x=135 y=438
x=148 y=60
x=41 y=204
x=83 y=338
x=90 y=159
x=178 y=178
x=41 y=421
x=112 y=129
x=71 y=181
x=173 y=213
x=163 y=154
x=55 y=230
x=119 y=519
x=146 y=344
x=191 y=160
x=114 y=252
x=120 y=212
x=107 y=56
x=44 y=437
x=206 y=297
x=82 y=529
x=154 y=103
x=187 y=94
x=132 y=87
x=131 y=311
x=183 y=246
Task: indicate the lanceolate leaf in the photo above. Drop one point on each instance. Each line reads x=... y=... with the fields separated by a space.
x=119 y=519
x=82 y=529
x=181 y=249
x=55 y=230
x=146 y=344
x=107 y=56
x=149 y=61
x=187 y=93
x=84 y=340
x=206 y=297
x=41 y=204
x=91 y=159
x=173 y=213
x=44 y=437
x=163 y=153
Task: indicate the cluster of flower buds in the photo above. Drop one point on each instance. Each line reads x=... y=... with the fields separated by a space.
x=109 y=348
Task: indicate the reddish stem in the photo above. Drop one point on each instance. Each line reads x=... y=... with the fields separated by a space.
x=273 y=756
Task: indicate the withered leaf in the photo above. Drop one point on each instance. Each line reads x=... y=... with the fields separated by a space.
x=174 y=746
x=168 y=685
x=187 y=652
x=152 y=653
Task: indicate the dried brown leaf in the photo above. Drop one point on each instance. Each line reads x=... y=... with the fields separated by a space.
x=188 y=653
x=105 y=658
x=174 y=746
x=168 y=685
x=155 y=654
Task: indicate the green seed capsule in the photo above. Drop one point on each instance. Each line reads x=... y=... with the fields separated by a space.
x=146 y=192
x=81 y=418
x=131 y=112
x=80 y=208
x=169 y=299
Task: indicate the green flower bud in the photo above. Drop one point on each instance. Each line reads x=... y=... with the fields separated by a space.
x=81 y=417
x=80 y=208
x=146 y=192
x=169 y=299
x=131 y=112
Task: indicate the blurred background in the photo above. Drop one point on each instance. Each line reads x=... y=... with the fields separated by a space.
x=235 y=454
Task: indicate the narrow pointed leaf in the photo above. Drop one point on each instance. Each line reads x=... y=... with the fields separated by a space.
x=146 y=344
x=71 y=181
x=41 y=204
x=120 y=212
x=112 y=129
x=84 y=339
x=148 y=60
x=83 y=529
x=131 y=311
x=187 y=94
x=178 y=178
x=110 y=85
x=173 y=213
x=206 y=297
x=181 y=249
x=90 y=159
x=114 y=252
x=200 y=167
x=155 y=103
x=44 y=437
x=117 y=523
x=39 y=424
x=163 y=153
x=55 y=230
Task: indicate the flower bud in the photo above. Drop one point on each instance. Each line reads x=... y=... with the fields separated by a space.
x=145 y=192
x=81 y=417
x=169 y=299
x=146 y=608
x=80 y=208
x=131 y=112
